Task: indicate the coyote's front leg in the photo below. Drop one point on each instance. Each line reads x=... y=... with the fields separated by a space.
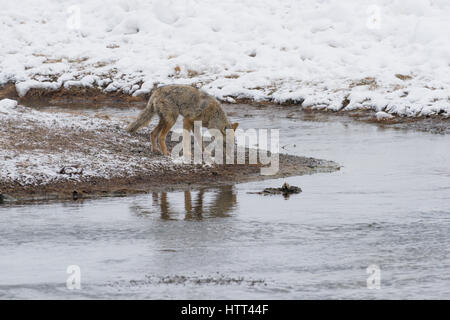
x=187 y=127
x=168 y=124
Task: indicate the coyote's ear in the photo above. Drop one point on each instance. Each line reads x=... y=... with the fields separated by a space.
x=234 y=126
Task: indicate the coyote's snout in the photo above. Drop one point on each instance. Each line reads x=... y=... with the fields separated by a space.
x=171 y=101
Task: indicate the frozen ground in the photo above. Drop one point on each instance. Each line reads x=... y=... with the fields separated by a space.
x=386 y=55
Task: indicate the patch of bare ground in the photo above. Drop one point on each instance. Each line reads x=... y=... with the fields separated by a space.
x=73 y=96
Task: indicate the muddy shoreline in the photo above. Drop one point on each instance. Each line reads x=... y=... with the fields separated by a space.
x=187 y=177
x=191 y=179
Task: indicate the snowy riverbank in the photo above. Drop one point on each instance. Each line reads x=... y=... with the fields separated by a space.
x=383 y=55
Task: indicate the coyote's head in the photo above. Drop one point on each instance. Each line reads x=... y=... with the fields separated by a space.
x=219 y=120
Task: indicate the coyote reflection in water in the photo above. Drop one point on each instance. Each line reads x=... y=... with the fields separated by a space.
x=222 y=204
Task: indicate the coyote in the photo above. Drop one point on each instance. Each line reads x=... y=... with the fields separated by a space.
x=171 y=101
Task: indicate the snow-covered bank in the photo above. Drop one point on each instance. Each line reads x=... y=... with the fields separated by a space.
x=386 y=55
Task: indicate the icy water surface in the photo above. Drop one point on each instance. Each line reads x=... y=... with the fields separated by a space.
x=389 y=206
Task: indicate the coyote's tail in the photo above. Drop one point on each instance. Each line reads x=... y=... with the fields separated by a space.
x=143 y=118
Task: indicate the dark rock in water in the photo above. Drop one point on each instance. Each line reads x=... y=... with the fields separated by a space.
x=75 y=195
x=4 y=198
x=285 y=190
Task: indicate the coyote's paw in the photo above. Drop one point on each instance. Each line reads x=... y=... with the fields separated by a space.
x=156 y=150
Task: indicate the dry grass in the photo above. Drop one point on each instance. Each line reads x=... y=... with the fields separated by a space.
x=368 y=81
x=403 y=76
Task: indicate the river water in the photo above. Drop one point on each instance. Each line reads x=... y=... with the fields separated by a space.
x=387 y=208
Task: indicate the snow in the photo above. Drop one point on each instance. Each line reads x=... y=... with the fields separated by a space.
x=7 y=105
x=384 y=55
x=383 y=115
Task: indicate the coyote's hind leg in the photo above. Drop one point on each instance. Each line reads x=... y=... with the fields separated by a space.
x=155 y=134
